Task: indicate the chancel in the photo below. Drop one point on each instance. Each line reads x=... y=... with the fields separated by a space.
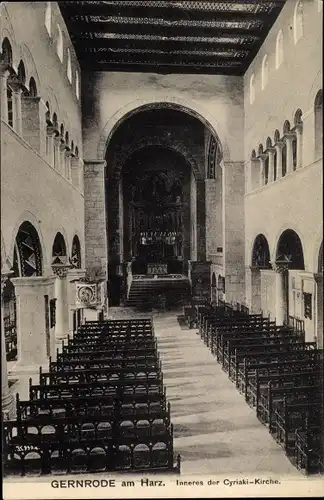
x=161 y=240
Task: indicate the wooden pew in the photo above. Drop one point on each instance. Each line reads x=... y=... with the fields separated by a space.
x=268 y=367
x=272 y=398
x=89 y=445
x=256 y=384
x=60 y=408
x=266 y=352
x=289 y=417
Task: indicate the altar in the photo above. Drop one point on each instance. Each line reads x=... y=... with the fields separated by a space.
x=157 y=268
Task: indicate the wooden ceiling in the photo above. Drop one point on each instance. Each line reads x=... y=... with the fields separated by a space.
x=206 y=37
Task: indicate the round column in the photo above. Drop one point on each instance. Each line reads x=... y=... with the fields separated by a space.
x=62 y=311
x=280 y=270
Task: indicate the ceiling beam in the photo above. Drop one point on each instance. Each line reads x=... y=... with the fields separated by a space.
x=165 y=44
x=162 y=68
x=82 y=27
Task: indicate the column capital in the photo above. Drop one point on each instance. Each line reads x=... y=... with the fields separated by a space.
x=5 y=70
x=61 y=270
x=15 y=84
x=279 y=145
x=271 y=151
x=289 y=135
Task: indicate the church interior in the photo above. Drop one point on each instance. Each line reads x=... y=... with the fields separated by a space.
x=161 y=237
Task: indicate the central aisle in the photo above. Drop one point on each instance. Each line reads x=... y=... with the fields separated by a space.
x=215 y=431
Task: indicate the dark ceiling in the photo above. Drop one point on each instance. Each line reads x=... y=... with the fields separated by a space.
x=207 y=37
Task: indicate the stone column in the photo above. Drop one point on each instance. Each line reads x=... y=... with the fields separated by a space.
x=299 y=135
x=4 y=73
x=271 y=153
x=31 y=323
x=16 y=98
x=281 y=312
x=61 y=295
x=278 y=147
x=290 y=164
x=212 y=217
x=253 y=288
x=7 y=401
x=233 y=230
x=96 y=252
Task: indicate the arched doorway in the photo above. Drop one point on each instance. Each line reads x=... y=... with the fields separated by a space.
x=289 y=261
x=155 y=192
x=260 y=262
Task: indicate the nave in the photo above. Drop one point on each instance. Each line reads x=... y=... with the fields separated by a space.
x=215 y=431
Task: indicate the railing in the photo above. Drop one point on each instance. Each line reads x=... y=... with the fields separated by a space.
x=298 y=325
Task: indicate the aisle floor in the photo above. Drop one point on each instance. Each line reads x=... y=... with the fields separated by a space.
x=215 y=430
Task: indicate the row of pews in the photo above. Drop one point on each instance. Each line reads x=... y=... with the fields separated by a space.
x=277 y=372
x=101 y=406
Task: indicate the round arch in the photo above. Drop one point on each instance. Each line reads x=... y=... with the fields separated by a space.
x=290 y=249
x=27 y=254
x=260 y=252
x=28 y=217
x=120 y=159
x=189 y=107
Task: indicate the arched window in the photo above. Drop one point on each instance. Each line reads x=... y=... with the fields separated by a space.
x=77 y=85
x=6 y=51
x=59 y=43
x=275 y=165
x=59 y=253
x=264 y=72
x=21 y=73
x=284 y=159
x=294 y=151
x=266 y=169
x=298 y=21
x=48 y=18
x=28 y=253
x=69 y=66
x=279 y=49
x=252 y=89
x=55 y=121
x=318 y=111
x=76 y=152
x=10 y=106
x=76 y=253
x=32 y=87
